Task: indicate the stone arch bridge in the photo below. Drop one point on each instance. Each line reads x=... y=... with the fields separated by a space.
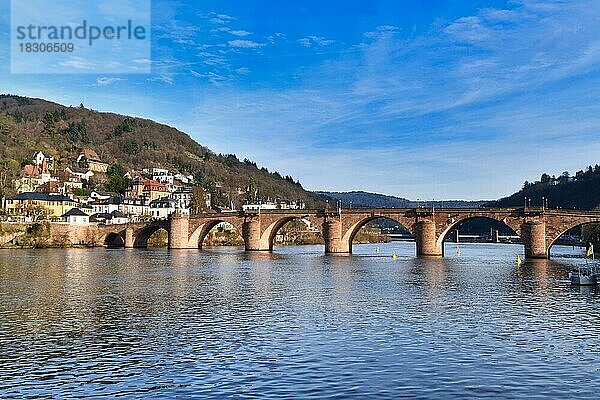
x=539 y=228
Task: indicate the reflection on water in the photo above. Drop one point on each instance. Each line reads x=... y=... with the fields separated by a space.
x=296 y=323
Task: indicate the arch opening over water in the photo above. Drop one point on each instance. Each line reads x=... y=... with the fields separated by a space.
x=480 y=229
x=151 y=236
x=572 y=237
x=294 y=231
x=378 y=229
x=114 y=240
x=218 y=233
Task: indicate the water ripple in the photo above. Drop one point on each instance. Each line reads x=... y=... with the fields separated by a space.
x=297 y=323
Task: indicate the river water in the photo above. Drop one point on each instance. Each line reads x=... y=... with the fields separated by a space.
x=296 y=323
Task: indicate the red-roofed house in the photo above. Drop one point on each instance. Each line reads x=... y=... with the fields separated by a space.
x=33 y=177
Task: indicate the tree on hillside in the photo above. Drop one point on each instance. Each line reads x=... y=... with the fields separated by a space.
x=128 y=125
x=564 y=177
x=202 y=181
x=49 y=126
x=117 y=181
x=545 y=178
x=252 y=192
x=131 y=147
x=77 y=132
x=199 y=201
x=9 y=170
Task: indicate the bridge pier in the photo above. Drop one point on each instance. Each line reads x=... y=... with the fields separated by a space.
x=332 y=235
x=179 y=225
x=252 y=236
x=128 y=239
x=426 y=238
x=534 y=239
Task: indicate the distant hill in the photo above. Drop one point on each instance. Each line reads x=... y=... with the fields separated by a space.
x=362 y=199
x=581 y=191
x=28 y=124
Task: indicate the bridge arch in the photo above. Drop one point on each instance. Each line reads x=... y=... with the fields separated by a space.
x=455 y=222
x=142 y=235
x=555 y=236
x=354 y=228
x=270 y=232
x=201 y=232
x=114 y=240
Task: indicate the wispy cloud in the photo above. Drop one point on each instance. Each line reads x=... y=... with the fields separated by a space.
x=211 y=77
x=163 y=78
x=77 y=63
x=382 y=32
x=315 y=41
x=239 y=32
x=105 y=81
x=221 y=18
x=247 y=44
x=469 y=29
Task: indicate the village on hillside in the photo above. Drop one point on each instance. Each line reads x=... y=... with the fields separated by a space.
x=74 y=194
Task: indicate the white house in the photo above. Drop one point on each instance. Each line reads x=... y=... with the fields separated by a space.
x=159 y=175
x=133 y=209
x=75 y=216
x=186 y=179
x=161 y=208
x=114 y=218
x=183 y=198
x=81 y=173
x=39 y=158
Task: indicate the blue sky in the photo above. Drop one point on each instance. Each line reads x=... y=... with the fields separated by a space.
x=420 y=99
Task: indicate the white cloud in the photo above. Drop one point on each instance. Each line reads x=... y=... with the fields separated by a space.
x=178 y=32
x=469 y=29
x=142 y=61
x=248 y=44
x=164 y=78
x=240 y=32
x=221 y=19
x=382 y=32
x=305 y=42
x=315 y=40
x=211 y=77
x=105 y=81
x=77 y=63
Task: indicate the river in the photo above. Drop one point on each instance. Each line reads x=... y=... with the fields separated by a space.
x=296 y=323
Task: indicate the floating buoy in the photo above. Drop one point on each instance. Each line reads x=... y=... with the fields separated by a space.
x=519 y=261
x=458 y=250
x=377 y=249
x=394 y=256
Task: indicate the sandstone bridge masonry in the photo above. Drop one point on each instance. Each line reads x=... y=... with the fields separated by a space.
x=539 y=228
